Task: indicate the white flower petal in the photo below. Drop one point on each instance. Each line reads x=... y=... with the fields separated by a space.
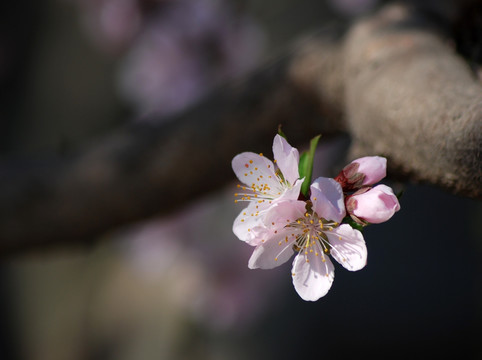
x=283 y=212
x=349 y=247
x=287 y=158
x=251 y=168
x=312 y=279
x=249 y=226
x=273 y=252
x=293 y=192
x=327 y=198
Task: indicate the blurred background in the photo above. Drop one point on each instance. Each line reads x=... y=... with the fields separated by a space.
x=178 y=287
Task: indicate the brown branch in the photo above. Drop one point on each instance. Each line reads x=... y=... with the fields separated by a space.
x=404 y=92
x=144 y=169
x=412 y=99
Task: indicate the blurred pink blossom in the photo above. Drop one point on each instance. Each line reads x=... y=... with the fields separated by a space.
x=353 y=7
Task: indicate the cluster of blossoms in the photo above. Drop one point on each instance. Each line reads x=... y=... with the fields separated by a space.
x=284 y=217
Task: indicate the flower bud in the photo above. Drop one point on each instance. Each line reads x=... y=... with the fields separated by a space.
x=364 y=171
x=372 y=205
x=373 y=167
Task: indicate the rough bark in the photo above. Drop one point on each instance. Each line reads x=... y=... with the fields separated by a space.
x=411 y=98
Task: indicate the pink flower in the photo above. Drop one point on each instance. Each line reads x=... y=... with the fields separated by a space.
x=364 y=171
x=373 y=205
x=264 y=185
x=312 y=230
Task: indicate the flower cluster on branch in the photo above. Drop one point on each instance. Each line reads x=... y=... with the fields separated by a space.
x=288 y=214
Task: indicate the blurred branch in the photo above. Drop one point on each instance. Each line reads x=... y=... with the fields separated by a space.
x=403 y=92
x=153 y=167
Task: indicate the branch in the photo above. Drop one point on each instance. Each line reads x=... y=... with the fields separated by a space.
x=152 y=168
x=395 y=86
x=412 y=99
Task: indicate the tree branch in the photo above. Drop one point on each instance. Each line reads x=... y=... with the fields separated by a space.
x=403 y=92
x=411 y=98
x=153 y=167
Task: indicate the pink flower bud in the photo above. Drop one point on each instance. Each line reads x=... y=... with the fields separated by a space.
x=375 y=205
x=364 y=171
x=373 y=167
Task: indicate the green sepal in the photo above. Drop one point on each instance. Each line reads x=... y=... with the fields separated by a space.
x=348 y=220
x=306 y=165
x=281 y=133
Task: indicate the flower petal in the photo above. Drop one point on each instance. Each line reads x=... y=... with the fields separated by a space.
x=249 y=226
x=327 y=199
x=373 y=167
x=348 y=247
x=376 y=205
x=283 y=212
x=251 y=168
x=293 y=192
x=312 y=277
x=287 y=158
x=273 y=252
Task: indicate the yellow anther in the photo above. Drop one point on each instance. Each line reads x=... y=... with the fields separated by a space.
x=250 y=161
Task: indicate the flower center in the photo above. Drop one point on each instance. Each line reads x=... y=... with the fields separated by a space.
x=310 y=234
x=263 y=189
